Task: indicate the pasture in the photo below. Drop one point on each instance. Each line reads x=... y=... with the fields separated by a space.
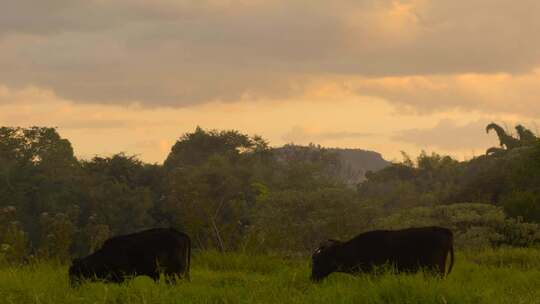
x=488 y=276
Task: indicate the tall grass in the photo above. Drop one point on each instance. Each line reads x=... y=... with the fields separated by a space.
x=490 y=276
x=521 y=258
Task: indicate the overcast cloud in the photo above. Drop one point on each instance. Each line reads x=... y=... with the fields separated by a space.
x=386 y=75
x=450 y=136
x=178 y=53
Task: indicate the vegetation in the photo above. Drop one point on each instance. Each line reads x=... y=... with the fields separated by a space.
x=233 y=192
x=490 y=276
x=255 y=213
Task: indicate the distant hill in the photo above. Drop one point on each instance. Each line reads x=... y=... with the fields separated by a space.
x=350 y=165
x=356 y=162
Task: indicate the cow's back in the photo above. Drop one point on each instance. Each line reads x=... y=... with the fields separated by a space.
x=146 y=242
x=407 y=248
x=366 y=249
x=143 y=253
x=415 y=247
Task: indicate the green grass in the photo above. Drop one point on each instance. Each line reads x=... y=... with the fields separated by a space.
x=491 y=276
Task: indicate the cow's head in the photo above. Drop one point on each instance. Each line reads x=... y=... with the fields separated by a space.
x=323 y=260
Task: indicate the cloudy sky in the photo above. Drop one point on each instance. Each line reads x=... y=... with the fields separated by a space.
x=134 y=75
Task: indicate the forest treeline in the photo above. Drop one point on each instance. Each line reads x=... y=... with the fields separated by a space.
x=231 y=191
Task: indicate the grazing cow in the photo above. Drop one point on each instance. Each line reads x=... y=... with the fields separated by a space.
x=407 y=250
x=148 y=252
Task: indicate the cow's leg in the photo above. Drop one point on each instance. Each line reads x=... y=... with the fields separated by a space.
x=182 y=271
x=439 y=265
x=442 y=266
x=171 y=277
x=116 y=278
x=440 y=262
x=186 y=274
x=154 y=275
x=430 y=265
x=176 y=268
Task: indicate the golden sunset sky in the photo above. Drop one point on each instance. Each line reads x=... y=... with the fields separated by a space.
x=134 y=75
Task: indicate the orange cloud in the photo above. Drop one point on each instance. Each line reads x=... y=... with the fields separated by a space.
x=355 y=122
x=180 y=53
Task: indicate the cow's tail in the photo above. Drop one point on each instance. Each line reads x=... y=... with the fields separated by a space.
x=451 y=254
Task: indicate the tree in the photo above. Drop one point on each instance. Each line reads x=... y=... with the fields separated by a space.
x=507 y=142
x=210 y=185
x=297 y=220
x=117 y=192
x=193 y=149
x=524 y=204
x=526 y=136
x=95 y=234
x=13 y=239
x=38 y=170
x=57 y=233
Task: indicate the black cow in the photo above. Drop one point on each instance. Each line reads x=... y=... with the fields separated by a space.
x=407 y=250
x=148 y=252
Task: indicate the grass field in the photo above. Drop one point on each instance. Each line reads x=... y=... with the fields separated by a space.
x=491 y=276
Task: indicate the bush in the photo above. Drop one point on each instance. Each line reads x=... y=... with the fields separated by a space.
x=13 y=245
x=474 y=225
x=522 y=258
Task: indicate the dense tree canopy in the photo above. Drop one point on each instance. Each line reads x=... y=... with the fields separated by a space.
x=232 y=191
